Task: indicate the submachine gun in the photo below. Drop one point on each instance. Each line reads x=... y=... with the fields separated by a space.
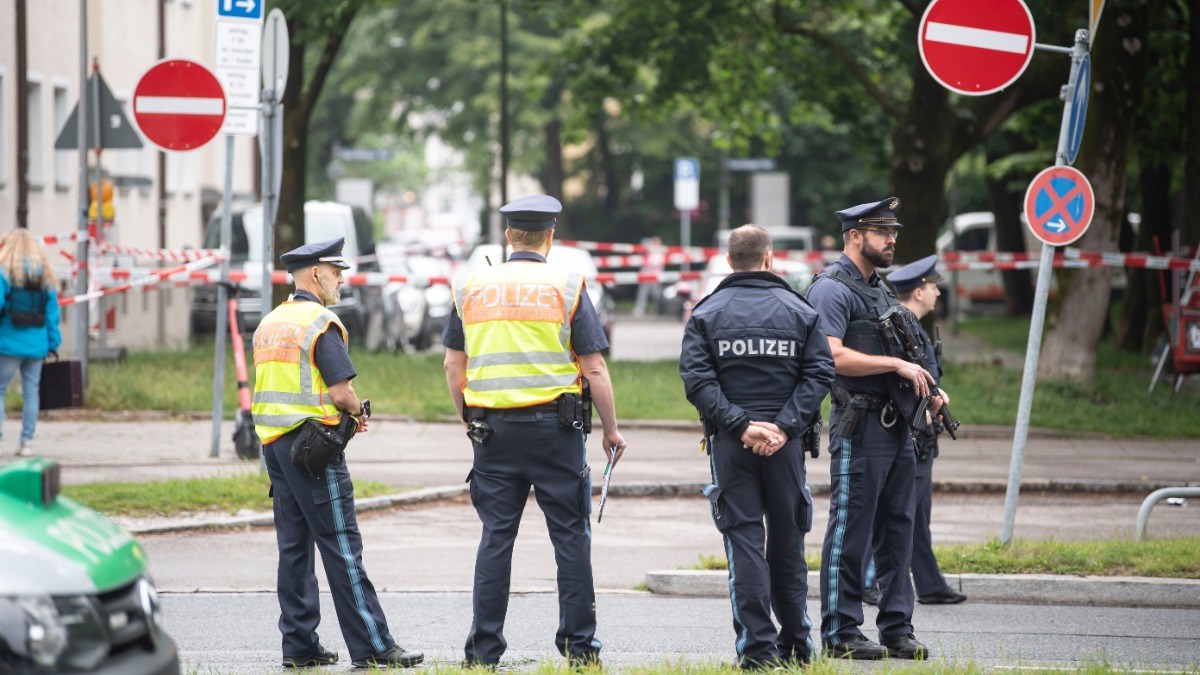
x=898 y=332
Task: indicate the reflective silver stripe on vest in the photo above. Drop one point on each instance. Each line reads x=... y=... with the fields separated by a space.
x=499 y=383
x=281 y=421
x=286 y=398
x=515 y=358
x=311 y=334
x=564 y=335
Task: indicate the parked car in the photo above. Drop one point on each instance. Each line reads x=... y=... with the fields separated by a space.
x=75 y=591
x=568 y=258
x=797 y=273
x=360 y=308
x=782 y=238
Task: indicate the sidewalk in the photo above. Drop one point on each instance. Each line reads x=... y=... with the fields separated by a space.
x=1073 y=488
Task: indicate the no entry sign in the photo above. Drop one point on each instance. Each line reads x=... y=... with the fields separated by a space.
x=1059 y=205
x=976 y=47
x=179 y=105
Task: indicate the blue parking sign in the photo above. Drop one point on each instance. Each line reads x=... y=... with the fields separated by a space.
x=240 y=9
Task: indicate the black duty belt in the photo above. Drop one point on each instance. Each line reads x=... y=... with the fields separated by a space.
x=480 y=413
x=873 y=403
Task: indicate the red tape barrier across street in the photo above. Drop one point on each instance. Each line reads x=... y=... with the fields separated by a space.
x=634 y=255
x=630 y=255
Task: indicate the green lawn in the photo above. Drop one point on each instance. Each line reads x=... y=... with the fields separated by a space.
x=227 y=494
x=1172 y=558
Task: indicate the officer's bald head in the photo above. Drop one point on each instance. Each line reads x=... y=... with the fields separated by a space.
x=748 y=246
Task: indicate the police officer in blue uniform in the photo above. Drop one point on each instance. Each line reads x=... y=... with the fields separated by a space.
x=757 y=366
x=872 y=461
x=916 y=288
x=530 y=446
x=320 y=510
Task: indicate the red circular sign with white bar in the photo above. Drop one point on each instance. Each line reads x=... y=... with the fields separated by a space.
x=976 y=47
x=179 y=105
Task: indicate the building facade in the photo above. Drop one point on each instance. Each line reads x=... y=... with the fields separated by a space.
x=162 y=199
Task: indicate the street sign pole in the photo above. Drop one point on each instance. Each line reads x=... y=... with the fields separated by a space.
x=1037 y=321
x=687 y=198
x=81 y=255
x=274 y=60
x=222 y=300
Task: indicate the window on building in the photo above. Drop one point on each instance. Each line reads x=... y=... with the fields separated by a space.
x=3 y=133
x=62 y=158
x=37 y=137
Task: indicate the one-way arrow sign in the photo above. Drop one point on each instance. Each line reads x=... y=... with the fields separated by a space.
x=115 y=130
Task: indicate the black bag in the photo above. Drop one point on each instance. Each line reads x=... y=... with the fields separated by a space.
x=318 y=444
x=26 y=307
x=61 y=385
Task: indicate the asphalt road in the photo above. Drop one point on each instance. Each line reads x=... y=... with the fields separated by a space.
x=235 y=633
x=432 y=548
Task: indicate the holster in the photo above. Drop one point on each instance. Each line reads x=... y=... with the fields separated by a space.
x=811 y=440
x=318 y=444
x=575 y=410
x=478 y=430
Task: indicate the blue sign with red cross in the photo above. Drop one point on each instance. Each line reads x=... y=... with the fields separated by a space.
x=1059 y=205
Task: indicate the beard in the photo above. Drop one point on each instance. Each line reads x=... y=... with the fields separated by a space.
x=878 y=257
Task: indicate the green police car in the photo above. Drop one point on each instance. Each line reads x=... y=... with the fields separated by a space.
x=75 y=594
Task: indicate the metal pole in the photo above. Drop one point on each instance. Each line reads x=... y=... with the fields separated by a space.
x=81 y=248
x=1037 y=321
x=685 y=235
x=102 y=302
x=269 y=199
x=723 y=193
x=503 y=123
x=222 y=301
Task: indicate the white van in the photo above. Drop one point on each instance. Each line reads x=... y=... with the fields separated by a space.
x=322 y=221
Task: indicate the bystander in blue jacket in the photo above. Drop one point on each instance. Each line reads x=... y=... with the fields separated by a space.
x=28 y=322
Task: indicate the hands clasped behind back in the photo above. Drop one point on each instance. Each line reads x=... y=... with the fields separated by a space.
x=763 y=438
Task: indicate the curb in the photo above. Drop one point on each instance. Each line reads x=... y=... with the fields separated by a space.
x=266 y=519
x=98 y=415
x=647 y=489
x=1038 y=589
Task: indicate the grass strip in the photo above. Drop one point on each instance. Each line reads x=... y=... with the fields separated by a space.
x=1116 y=403
x=1177 y=558
x=226 y=494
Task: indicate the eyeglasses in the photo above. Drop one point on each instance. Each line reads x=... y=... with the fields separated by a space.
x=886 y=232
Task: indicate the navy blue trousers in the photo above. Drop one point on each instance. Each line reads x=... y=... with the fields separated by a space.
x=320 y=511
x=767 y=570
x=529 y=448
x=926 y=574
x=871 y=501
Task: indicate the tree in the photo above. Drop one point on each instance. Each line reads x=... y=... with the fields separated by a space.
x=729 y=59
x=1119 y=67
x=317 y=30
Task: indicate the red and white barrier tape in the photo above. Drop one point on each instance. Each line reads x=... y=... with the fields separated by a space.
x=152 y=278
x=634 y=256
x=185 y=255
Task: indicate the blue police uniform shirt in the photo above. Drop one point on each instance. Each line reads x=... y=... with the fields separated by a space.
x=835 y=303
x=587 y=335
x=754 y=350
x=330 y=355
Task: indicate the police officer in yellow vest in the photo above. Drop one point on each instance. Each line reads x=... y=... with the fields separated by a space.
x=518 y=345
x=303 y=372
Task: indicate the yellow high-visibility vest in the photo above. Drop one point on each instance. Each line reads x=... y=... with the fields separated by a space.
x=288 y=387
x=517 y=322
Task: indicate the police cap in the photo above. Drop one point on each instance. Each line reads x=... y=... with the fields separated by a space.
x=914 y=274
x=533 y=213
x=314 y=254
x=881 y=213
